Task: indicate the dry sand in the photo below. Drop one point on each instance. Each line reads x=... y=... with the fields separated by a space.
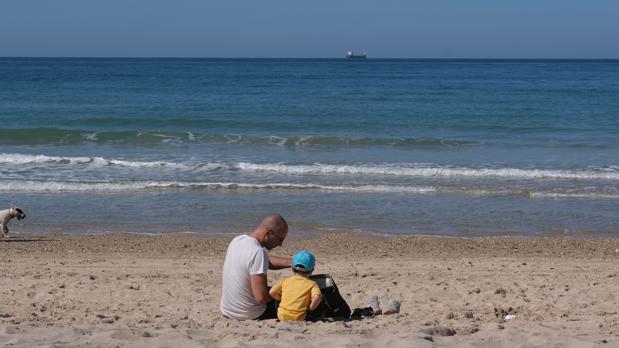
x=163 y=291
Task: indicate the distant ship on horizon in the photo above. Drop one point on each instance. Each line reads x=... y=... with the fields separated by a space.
x=351 y=55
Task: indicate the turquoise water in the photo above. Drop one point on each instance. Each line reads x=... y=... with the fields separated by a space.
x=455 y=147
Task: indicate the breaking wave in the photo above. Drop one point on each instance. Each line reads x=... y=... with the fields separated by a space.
x=324 y=169
x=133 y=186
x=21 y=159
x=42 y=186
x=428 y=170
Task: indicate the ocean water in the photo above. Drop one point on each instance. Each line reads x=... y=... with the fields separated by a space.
x=450 y=147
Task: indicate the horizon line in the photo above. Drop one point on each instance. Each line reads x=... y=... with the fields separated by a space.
x=342 y=58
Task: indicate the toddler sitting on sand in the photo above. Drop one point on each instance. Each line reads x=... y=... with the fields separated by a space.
x=297 y=294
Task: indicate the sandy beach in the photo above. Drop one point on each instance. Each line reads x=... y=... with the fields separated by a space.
x=163 y=291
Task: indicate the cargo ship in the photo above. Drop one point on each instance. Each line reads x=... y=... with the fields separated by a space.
x=351 y=55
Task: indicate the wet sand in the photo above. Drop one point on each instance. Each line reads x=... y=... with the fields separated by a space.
x=163 y=291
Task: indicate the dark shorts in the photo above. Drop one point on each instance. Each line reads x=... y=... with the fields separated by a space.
x=270 y=312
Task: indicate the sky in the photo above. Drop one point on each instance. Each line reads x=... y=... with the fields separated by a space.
x=310 y=29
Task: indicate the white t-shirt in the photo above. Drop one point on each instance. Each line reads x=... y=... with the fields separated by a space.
x=245 y=257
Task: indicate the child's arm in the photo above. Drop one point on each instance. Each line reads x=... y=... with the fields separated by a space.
x=316 y=296
x=276 y=291
x=315 y=302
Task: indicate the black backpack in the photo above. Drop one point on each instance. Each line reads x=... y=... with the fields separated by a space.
x=333 y=304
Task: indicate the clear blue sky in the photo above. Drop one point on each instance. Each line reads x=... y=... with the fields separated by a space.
x=293 y=28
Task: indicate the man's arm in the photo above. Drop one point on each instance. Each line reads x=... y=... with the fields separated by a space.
x=276 y=262
x=259 y=288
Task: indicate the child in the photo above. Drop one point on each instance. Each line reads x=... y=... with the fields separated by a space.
x=297 y=294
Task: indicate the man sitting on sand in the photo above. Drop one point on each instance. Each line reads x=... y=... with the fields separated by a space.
x=245 y=293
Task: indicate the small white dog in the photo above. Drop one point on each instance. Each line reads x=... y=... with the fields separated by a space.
x=6 y=215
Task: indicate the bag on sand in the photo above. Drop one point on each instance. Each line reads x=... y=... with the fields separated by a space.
x=333 y=304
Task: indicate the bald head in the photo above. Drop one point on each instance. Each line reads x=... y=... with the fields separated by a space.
x=274 y=222
x=272 y=231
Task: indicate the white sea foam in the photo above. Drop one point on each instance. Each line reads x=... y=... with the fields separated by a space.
x=22 y=159
x=573 y=195
x=425 y=170
x=43 y=186
x=10 y=158
x=90 y=136
x=129 y=186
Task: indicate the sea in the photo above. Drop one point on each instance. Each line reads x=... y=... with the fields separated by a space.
x=463 y=148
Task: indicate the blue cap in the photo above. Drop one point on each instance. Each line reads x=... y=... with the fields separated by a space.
x=303 y=261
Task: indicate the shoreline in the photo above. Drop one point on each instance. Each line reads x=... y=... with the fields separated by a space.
x=145 y=291
x=313 y=233
x=486 y=245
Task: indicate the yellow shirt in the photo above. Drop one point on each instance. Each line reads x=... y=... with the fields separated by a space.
x=297 y=292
